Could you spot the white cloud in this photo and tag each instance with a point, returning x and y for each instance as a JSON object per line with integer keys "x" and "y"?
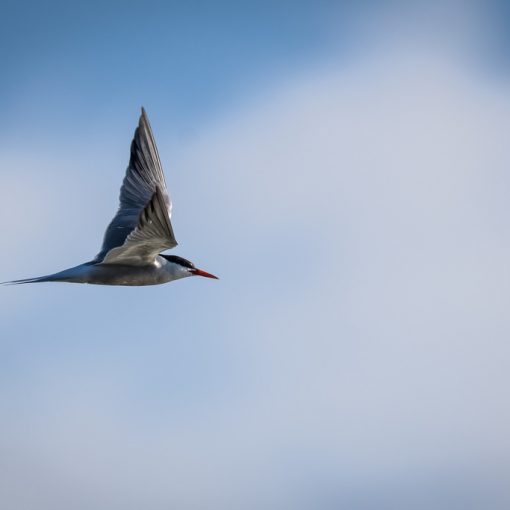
{"x": 383, "y": 324}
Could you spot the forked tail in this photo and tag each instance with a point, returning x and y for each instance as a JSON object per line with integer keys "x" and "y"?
{"x": 77, "y": 274}
{"x": 27, "y": 280}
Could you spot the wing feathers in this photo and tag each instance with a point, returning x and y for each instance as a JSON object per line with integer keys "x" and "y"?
{"x": 143, "y": 181}
{"x": 152, "y": 235}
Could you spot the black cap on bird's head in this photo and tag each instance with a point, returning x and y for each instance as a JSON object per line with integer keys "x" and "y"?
{"x": 188, "y": 265}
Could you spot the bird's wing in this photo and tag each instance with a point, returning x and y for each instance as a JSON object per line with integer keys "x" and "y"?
{"x": 152, "y": 235}
{"x": 144, "y": 176}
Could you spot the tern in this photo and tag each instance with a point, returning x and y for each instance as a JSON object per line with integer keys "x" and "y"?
{"x": 141, "y": 230}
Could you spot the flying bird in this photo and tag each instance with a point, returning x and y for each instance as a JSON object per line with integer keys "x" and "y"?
{"x": 141, "y": 230}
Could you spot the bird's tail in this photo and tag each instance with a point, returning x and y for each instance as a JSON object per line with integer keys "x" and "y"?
{"x": 73, "y": 274}
{"x": 27, "y": 280}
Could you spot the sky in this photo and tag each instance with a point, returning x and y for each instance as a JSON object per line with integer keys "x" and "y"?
{"x": 343, "y": 168}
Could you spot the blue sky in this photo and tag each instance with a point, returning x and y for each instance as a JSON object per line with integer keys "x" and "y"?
{"x": 189, "y": 60}
{"x": 343, "y": 167}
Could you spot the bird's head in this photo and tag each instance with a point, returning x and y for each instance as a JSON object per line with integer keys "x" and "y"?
{"x": 183, "y": 268}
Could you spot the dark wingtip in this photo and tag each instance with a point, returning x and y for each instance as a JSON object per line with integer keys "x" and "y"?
{"x": 144, "y": 120}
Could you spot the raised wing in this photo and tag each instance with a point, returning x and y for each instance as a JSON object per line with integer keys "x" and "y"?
{"x": 152, "y": 235}
{"x": 144, "y": 177}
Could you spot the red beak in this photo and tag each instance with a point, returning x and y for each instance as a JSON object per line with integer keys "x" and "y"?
{"x": 199, "y": 272}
